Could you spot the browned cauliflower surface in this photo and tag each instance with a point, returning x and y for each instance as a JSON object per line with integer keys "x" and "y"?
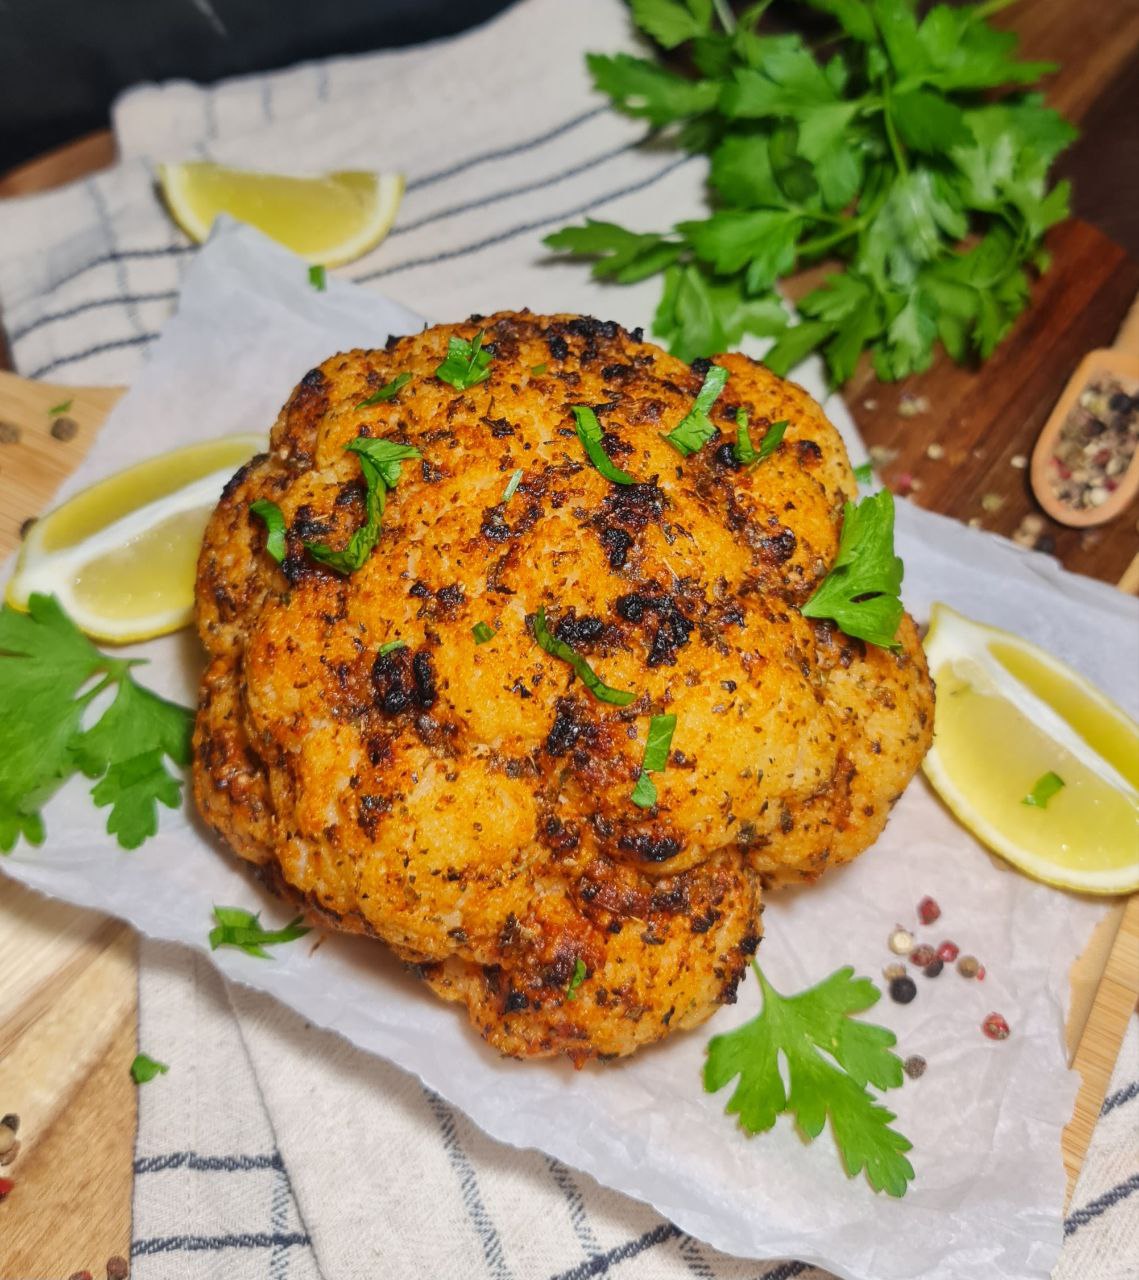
{"x": 470, "y": 804}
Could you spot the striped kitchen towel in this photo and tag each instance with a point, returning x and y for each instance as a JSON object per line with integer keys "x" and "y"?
{"x": 273, "y": 1149}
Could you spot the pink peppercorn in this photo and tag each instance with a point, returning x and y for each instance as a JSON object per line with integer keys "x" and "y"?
{"x": 948, "y": 952}
{"x": 995, "y": 1027}
{"x": 923, "y": 955}
{"x": 980, "y": 973}
{"x": 928, "y": 910}
{"x": 6, "y": 1185}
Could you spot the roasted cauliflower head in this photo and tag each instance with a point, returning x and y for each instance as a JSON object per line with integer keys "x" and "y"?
{"x": 469, "y": 800}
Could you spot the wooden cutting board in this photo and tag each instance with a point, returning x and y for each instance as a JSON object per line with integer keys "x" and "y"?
{"x": 68, "y": 995}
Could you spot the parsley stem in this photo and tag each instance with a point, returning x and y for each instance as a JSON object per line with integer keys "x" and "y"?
{"x": 724, "y": 13}
{"x": 891, "y": 132}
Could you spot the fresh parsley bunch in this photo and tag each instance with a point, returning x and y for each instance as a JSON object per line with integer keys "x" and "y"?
{"x": 905, "y": 147}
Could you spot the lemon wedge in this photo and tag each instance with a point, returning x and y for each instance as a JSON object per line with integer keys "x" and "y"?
{"x": 121, "y": 556}
{"x": 1008, "y": 715}
{"x": 328, "y": 220}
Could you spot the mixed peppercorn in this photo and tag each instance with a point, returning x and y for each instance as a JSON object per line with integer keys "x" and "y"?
{"x": 930, "y": 961}
{"x": 1096, "y": 444}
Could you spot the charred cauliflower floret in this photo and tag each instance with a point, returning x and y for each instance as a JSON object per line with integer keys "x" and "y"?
{"x": 470, "y": 803}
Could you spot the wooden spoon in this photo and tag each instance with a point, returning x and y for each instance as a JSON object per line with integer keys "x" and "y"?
{"x": 39, "y": 448}
{"x": 1121, "y": 363}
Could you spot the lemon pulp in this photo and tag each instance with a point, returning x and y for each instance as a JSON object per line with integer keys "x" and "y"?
{"x": 1089, "y": 824}
{"x": 329, "y": 219}
{"x": 121, "y": 556}
{"x": 95, "y": 508}
{"x": 148, "y": 575}
{"x": 1007, "y": 714}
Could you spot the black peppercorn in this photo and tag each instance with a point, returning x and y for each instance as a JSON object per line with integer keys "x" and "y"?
{"x": 903, "y": 990}
{"x": 933, "y": 969}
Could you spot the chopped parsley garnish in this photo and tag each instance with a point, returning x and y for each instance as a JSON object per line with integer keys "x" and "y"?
{"x": 482, "y": 632}
{"x": 1044, "y": 788}
{"x": 864, "y": 473}
{"x": 242, "y": 929}
{"x": 380, "y": 464}
{"x": 695, "y": 429}
{"x": 390, "y": 646}
{"x": 589, "y": 433}
{"x": 387, "y": 391}
{"x": 467, "y": 363}
{"x": 539, "y": 368}
{"x": 657, "y": 746}
{"x": 861, "y": 591}
{"x": 274, "y": 522}
{"x": 585, "y": 672}
{"x": 50, "y": 674}
{"x": 745, "y": 452}
{"x": 144, "y": 1068}
{"x": 512, "y": 485}
{"x": 576, "y": 978}
{"x": 786, "y": 1038}
{"x": 318, "y": 278}
{"x": 62, "y": 407}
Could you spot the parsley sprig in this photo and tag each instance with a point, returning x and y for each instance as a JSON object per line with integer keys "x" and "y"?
{"x": 380, "y": 464}
{"x": 387, "y": 392}
{"x": 274, "y": 521}
{"x": 830, "y": 1058}
{"x": 695, "y": 429}
{"x": 861, "y": 592}
{"x": 242, "y": 929}
{"x": 590, "y": 434}
{"x": 467, "y": 363}
{"x": 50, "y": 675}
{"x": 145, "y": 1068}
{"x": 585, "y": 673}
{"x": 661, "y": 729}
{"x": 745, "y": 453}
{"x": 884, "y": 147}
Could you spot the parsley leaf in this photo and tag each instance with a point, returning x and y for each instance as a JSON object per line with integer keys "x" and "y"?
{"x": 1043, "y": 789}
{"x": 482, "y": 632}
{"x": 390, "y": 646}
{"x": 589, "y": 433}
{"x": 242, "y": 929}
{"x": 800, "y": 1030}
{"x": 619, "y": 255}
{"x": 661, "y": 729}
{"x": 144, "y": 1068}
{"x": 864, "y": 473}
{"x": 861, "y": 592}
{"x": 467, "y": 363}
{"x": 899, "y": 147}
{"x": 387, "y": 392}
{"x": 318, "y": 277}
{"x": 50, "y": 675}
{"x": 538, "y": 369}
{"x": 585, "y": 672}
{"x": 62, "y": 407}
{"x": 695, "y": 429}
{"x": 576, "y": 978}
{"x": 745, "y": 452}
{"x": 274, "y": 522}
{"x": 380, "y": 464}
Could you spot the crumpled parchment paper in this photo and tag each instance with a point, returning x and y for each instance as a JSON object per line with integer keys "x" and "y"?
{"x": 986, "y": 1117}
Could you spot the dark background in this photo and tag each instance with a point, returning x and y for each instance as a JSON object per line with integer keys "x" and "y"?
{"x": 62, "y": 62}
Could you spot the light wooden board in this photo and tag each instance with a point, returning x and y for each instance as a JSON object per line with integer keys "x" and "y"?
{"x": 68, "y": 996}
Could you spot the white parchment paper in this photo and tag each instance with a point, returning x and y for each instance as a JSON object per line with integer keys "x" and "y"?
{"x": 986, "y": 1117}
